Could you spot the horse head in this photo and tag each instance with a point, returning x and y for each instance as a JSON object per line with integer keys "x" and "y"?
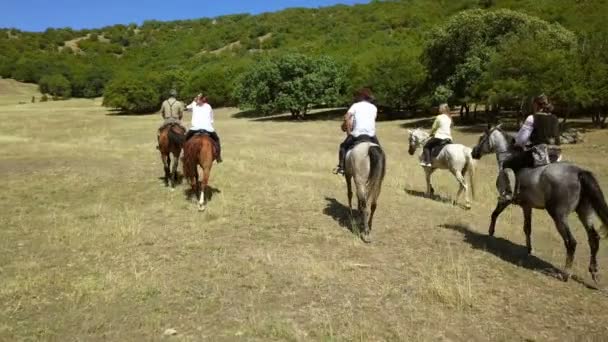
{"x": 417, "y": 137}
{"x": 491, "y": 141}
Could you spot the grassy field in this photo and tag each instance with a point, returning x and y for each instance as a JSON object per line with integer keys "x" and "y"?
{"x": 93, "y": 247}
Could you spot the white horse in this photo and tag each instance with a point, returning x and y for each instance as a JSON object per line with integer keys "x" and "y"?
{"x": 453, "y": 157}
{"x": 366, "y": 163}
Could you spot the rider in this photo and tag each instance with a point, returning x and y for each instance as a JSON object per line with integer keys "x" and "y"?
{"x": 539, "y": 130}
{"x": 440, "y": 134}
{"x": 172, "y": 112}
{"x": 359, "y": 125}
{"x": 202, "y": 121}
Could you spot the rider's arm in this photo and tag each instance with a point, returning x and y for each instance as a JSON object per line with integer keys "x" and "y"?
{"x": 190, "y": 105}
{"x": 348, "y": 122}
{"x": 523, "y": 136}
{"x": 436, "y": 125}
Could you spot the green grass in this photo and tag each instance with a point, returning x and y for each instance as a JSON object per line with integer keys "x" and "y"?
{"x": 94, "y": 247}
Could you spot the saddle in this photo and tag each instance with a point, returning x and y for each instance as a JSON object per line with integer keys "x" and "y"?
{"x": 169, "y": 123}
{"x": 437, "y": 149}
{"x": 545, "y": 154}
{"x": 203, "y": 133}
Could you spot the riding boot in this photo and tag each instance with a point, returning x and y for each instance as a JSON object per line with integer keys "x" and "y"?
{"x": 158, "y": 141}
{"x": 505, "y": 184}
{"x": 426, "y": 157}
{"x": 339, "y": 170}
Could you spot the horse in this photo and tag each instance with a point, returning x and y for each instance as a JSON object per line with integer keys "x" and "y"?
{"x": 199, "y": 150}
{"x": 453, "y": 157}
{"x": 559, "y": 188}
{"x": 366, "y": 163}
{"x": 170, "y": 141}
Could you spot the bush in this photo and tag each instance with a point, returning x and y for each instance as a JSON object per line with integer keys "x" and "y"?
{"x": 56, "y": 85}
{"x": 132, "y": 95}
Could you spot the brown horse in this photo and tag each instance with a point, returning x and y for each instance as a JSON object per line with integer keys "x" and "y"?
{"x": 170, "y": 141}
{"x": 199, "y": 150}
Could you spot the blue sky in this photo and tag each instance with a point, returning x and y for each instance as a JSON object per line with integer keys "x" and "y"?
{"x": 38, "y": 15}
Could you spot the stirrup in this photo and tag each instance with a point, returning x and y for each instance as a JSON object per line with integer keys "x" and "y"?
{"x": 338, "y": 171}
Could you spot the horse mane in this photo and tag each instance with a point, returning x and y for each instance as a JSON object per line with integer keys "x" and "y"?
{"x": 510, "y": 138}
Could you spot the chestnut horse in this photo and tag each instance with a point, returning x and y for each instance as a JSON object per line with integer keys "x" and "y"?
{"x": 170, "y": 141}
{"x": 199, "y": 150}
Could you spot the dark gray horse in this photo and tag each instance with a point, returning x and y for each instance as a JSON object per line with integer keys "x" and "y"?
{"x": 366, "y": 163}
{"x": 559, "y": 188}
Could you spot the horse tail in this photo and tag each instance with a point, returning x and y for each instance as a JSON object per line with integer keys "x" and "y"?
{"x": 471, "y": 166}
{"x": 377, "y": 169}
{"x": 191, "y": 155}
{"x": 176, "y": 138}
{"x": 590, "y": 189}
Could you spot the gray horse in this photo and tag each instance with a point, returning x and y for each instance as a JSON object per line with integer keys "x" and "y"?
{"x": 366, "y": 163}
{"x": 559, "y": 188}
{"x": 453, "y": 157}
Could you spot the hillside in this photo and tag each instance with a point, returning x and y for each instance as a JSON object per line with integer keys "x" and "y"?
{"x": 13, "y": 92}
{"x": 357, "y": 36}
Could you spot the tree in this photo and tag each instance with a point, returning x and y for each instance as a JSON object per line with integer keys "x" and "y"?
{"x": 293, "y": 83}
{"x": 56, "y": 85}
{"x": 457, "y": 54}
{"x": 397, "y": 80}
{"x": 132, "y": 94}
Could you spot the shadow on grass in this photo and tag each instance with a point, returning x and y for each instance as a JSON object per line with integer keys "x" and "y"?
{"x": 178, "y": 181}
{"x": 341, "y": 214}
{"x": 512, "y": 253}
{"x": 434, "y": 197}
{"x": 209, "y": 192}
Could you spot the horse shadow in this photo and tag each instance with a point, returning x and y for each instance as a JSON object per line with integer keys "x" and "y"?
{"x": 512, "y": 253}
{"x": 341, "y": 214}
{"x": 434, "y": 197}
{"x": 178, "y": 181}
{"x": 209, "y": 192}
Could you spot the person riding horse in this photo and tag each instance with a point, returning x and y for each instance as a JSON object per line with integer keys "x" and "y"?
{"x": 359, "y": 125}
{"x": 440, "y": 134}
{"x": 172, "y": 112}
{"x": 539, "y": 131}
{"x": 202, "y": 122}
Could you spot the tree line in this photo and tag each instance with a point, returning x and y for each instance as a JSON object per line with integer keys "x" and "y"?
{"x": 412, "y": 53}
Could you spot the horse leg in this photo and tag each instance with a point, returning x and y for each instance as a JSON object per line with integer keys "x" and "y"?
{"x": 560, "y": 218}
{"x": 371, "y": 214}
{"x": 528, "y": 227}
{"x": 174, "y": 169}
{"x": 585, "y": 214}
{"x": 202, "y": 203}
{"x": 429, "y": 187}
{"x": 365, "y": 218}
{"x": 461, "y": 188}
{"x": 500, "y": 207}
{"x": 349, "y": 192}
{"x": 166, "y": 162}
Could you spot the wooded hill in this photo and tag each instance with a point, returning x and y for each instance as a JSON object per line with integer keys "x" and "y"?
{"x": 395, "y": 47}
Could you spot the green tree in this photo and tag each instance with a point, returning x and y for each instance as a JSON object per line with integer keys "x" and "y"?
{"x": 132, "y": 94}
{"x": 457, "y": 53}
{"x": 292, "y": 83}
{"x": 56, "y": 85}
{"x": 397, "y": 80}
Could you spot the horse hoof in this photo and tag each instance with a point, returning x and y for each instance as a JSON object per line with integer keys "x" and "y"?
{"x": 365, "y": 238}
{"x": 565, "y": 277}
{"x": 595, "y": 277}
{"x": 201, "y": 208}
{"x": 467, "y": 206}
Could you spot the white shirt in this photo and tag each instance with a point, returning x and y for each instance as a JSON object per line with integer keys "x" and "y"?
{"x": 523, "y": 136}
{"x": 441, "y": 127}
{"x": 364, "y": 118}
{"x": 202, "y": 117}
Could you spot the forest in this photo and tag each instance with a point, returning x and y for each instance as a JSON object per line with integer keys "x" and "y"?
{"x": 491, "y": 54}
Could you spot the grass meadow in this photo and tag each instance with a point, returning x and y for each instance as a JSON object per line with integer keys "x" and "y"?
{"x": 94, "y": 247}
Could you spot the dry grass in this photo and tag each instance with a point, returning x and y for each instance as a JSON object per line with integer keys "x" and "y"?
{"x": 95, "y": 248}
